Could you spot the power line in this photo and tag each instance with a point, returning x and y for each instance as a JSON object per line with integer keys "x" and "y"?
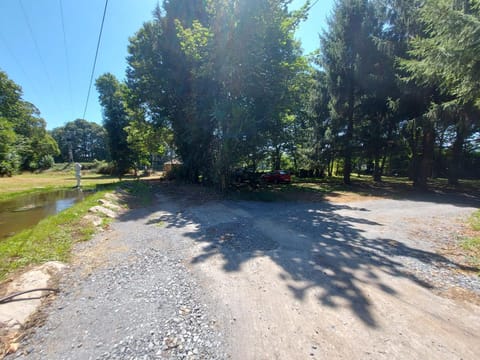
{"x": 95, "y": 60}
{"x": 37, "y": 48}
{"x": 312, "y": 5}
{"x": 17, "y": 61}
{"x": 66, "y": 56}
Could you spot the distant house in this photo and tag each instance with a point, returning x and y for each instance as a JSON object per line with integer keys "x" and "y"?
{"x": 169, "y": 165}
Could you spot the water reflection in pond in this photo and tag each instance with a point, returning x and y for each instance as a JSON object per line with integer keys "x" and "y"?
{"x": 26, "y": 211}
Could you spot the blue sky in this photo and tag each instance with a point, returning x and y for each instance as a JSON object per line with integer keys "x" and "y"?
{"x": 55, "y": 77}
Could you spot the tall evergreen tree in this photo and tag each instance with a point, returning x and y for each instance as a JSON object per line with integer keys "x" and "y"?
{"x": 446, "y": 57}
{"x": 347, "y": 48}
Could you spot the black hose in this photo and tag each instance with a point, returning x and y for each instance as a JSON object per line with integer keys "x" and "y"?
{"x": 11, "y": 297}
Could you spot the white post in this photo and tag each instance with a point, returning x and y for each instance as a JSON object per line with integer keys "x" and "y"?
{"x": 78, "y": 173}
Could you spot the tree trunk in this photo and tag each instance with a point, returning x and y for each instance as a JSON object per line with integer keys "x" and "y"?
{"x": 438, "y": 166}
{"x": 457, "y": 154}
{"x": 276, "y": 158}
{"x": 377, "y": 169}
{"x": 424, "y": 169}
{"x": 347, "y": 166}
{"x": 331, "y": 161}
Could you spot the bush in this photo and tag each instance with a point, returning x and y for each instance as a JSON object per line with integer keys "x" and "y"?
{"x": 105, "y": 168}
{"x": 6, "y": 169}
{"x": 45, "y": 162}
{"x": 177, "y": 172}
{"x": 90, "y": 165}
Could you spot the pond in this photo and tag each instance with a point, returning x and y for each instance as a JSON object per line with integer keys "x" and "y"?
{"x": 26, "y": 211}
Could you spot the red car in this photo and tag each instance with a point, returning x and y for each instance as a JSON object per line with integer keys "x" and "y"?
{"x": 277, "y": 176}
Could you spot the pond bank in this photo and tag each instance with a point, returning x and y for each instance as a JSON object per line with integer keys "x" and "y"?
{"x": 23, "y": 212}
{"x": 15, "y": 316}
{"x": 50, "y": 239}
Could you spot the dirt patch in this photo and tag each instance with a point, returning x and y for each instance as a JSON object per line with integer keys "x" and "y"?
{"x": 91, "y": 256}
{"x": 347, "y": 197}
{"x": 460, "y": 294}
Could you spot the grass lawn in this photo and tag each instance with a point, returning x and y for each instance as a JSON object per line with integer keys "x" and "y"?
{"x": 49, "y": 180}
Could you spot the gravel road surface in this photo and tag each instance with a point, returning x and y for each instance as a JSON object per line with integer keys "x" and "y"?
{"x": 214, "y": 279}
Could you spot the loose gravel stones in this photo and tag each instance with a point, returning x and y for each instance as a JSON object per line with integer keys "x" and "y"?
{"x": 239, "y": 236}
{"x": 146, "y": 308}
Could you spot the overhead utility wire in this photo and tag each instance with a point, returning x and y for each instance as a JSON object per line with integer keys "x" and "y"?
{"x": 20, "y": 66}
{"x": 37, "y": 48}
{"x": 311, "y": 6}
{"x": 66, "y": 56}
{"x": 95, "y": 60}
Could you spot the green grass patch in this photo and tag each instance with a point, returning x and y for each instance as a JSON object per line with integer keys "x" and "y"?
{"x": 47, "y": 189}
{"x": 300, "y": 189}
{"x": 472, "y": 243}
{"x": 475, "y": 221}
{"x": 140, "y": 190}
{"x": 51, "y": 239}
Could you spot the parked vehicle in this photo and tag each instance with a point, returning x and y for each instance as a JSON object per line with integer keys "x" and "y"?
{"x": 245, "y": 176}
{"x": 277, "y": 176}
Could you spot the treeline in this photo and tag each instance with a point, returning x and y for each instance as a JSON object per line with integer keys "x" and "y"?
{"x": 24, "y": 141}
{"x": 81, "y": 141}
{"x": 400, "y": 88}
{"x": 25, "y": 144}
{"x": 393, "y": 89}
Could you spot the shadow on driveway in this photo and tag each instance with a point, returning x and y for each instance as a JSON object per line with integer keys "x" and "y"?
{"x": 315, "y": 246}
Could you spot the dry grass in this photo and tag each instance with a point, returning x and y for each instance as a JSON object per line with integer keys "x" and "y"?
{"x": 30, "y": 182}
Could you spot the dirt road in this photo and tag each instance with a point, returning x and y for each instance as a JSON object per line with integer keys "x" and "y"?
{"x": 337, "y": 280}
{"x": 370, "y": 279}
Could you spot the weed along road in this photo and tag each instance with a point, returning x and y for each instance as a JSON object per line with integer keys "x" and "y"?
{"x": 204, "y": 278}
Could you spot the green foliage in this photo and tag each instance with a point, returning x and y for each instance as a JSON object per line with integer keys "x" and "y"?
{"x": 105, "y": 168}
{"x": 223, "y": 77}
{"x": 24, "y": 141}
{"x": 223, "y": 85}
{"x": 9, "y": 161}
{"x": 447, "y": 56}
{"x": 81, "y": 141}
{"x": 351, "y": 60}
{"x": 112, "y": 96}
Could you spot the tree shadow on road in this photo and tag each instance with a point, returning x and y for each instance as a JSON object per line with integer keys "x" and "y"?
{"x": 318, "y": 246}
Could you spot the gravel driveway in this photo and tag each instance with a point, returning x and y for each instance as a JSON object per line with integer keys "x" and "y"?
{"x": 192, "y": 279}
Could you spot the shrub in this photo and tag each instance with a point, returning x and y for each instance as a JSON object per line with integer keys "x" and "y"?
{"x": 105, "y": 168}
{"x": 45, "y": 162}
{"x": 6, "y": 168}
